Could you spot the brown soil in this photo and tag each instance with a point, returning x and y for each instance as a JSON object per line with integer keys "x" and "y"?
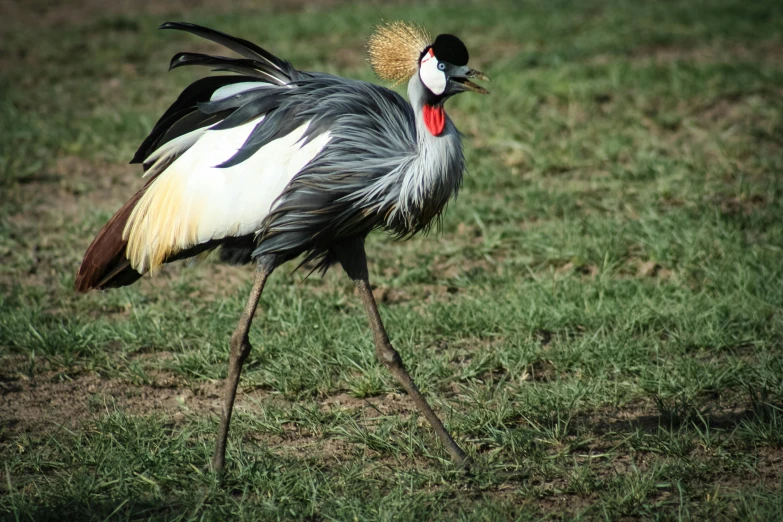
{"x": 770, "y": 52}
{"x": 49, "y": 203}
{"x": 50, "y": 401}
{"x": 390, "y": 404}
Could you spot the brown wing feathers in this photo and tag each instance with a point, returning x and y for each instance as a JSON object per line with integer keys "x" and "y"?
{"x": 104, "y": 264}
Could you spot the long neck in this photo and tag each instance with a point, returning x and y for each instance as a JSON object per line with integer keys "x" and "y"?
{"x": 430, "y": 114}
{"x": 435, "y": 172}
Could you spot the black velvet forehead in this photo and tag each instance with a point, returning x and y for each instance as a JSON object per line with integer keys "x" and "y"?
{"x": 448, "y": 48}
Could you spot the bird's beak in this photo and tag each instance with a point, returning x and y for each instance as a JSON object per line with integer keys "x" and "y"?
{"x": 465, "y": 84}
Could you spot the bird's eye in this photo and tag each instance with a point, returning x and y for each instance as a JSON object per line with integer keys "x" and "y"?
{"x": 442, "y": 66}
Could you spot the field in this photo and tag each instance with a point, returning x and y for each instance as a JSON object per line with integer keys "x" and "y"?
{"x": 599, "y": 320}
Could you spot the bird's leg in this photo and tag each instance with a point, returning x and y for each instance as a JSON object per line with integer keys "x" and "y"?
{"x": 391, "y": 359}
{"x": 357, "y": 270}
{"x": 240, "y": 349}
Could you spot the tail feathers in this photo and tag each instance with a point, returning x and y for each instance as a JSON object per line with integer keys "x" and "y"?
{"x": 264, "y": 63}
{"x": 105, "y": 264}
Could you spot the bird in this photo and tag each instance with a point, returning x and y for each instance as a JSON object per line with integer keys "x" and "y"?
{"x": 264, "y": 163}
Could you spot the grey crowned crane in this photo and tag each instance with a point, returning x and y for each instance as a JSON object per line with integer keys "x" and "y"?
{"x": 271, "y": 163}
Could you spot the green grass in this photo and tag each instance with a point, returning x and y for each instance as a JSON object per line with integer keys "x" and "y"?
{"x": 598, "y": 320}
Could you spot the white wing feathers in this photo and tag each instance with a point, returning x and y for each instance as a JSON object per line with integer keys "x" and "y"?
{"x": 168, "y": 152}
{"x": 192, "y": 202}
{"x": 235, "y": 88}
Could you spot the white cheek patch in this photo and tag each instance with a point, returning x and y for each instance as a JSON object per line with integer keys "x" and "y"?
{"x": 430, "y": 75}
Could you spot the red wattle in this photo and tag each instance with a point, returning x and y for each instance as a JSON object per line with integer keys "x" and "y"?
{"x": 434, "y": 119}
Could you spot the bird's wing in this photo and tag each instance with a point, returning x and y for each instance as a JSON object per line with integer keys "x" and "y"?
{"x": 195, "y": 200}
{"x": 193, "y": 195}
{"x": 258, "y": 70}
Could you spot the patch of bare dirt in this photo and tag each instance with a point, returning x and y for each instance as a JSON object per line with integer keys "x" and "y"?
{"x": 583, "y": 269}
{"x": 725, "y": 110}
{"x": 48, "y": 206}
{"x": 542, "y": 370}
{"x": 77, "y": 184}
{"x": 606, "y": 431}
{"x": 653, "y": 269}
{"x": 449, "y": 267}
{"x": 770, "y": 52}
{"x": 49, "y": 401}
{"x": 315, "y": 448}
{"x": 389, "y": 404}
{"x": 397, "y": 295}
{"x": 301, "y": 442}
{"x": 740, "y": 205}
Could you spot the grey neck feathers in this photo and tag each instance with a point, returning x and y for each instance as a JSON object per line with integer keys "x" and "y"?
{"x": 434, "y": 173}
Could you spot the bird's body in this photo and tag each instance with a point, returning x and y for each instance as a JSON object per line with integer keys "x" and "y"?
{"x": 283, "y": 162}
{"x": 271, "y": 163}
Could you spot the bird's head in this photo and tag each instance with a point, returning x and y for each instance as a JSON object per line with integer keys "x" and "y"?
{"x": 399, "y": 50}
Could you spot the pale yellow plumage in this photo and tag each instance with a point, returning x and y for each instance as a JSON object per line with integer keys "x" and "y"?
{"x": 193, "y": 201}
{"x": 154, "y": 230}
{"x": 394, "y": 50}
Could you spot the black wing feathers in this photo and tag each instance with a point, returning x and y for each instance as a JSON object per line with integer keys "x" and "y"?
{"x": 198, "y": 91}
{"x": 192, "y": 109}
{"x": 238, "y": 45}
{"x": 191, "y": 121}
{"x": 249, "y": 111}
{"x": 252, "y": 68}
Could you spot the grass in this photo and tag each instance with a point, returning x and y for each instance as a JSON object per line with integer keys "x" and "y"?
{"x": 598, "y": 320}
